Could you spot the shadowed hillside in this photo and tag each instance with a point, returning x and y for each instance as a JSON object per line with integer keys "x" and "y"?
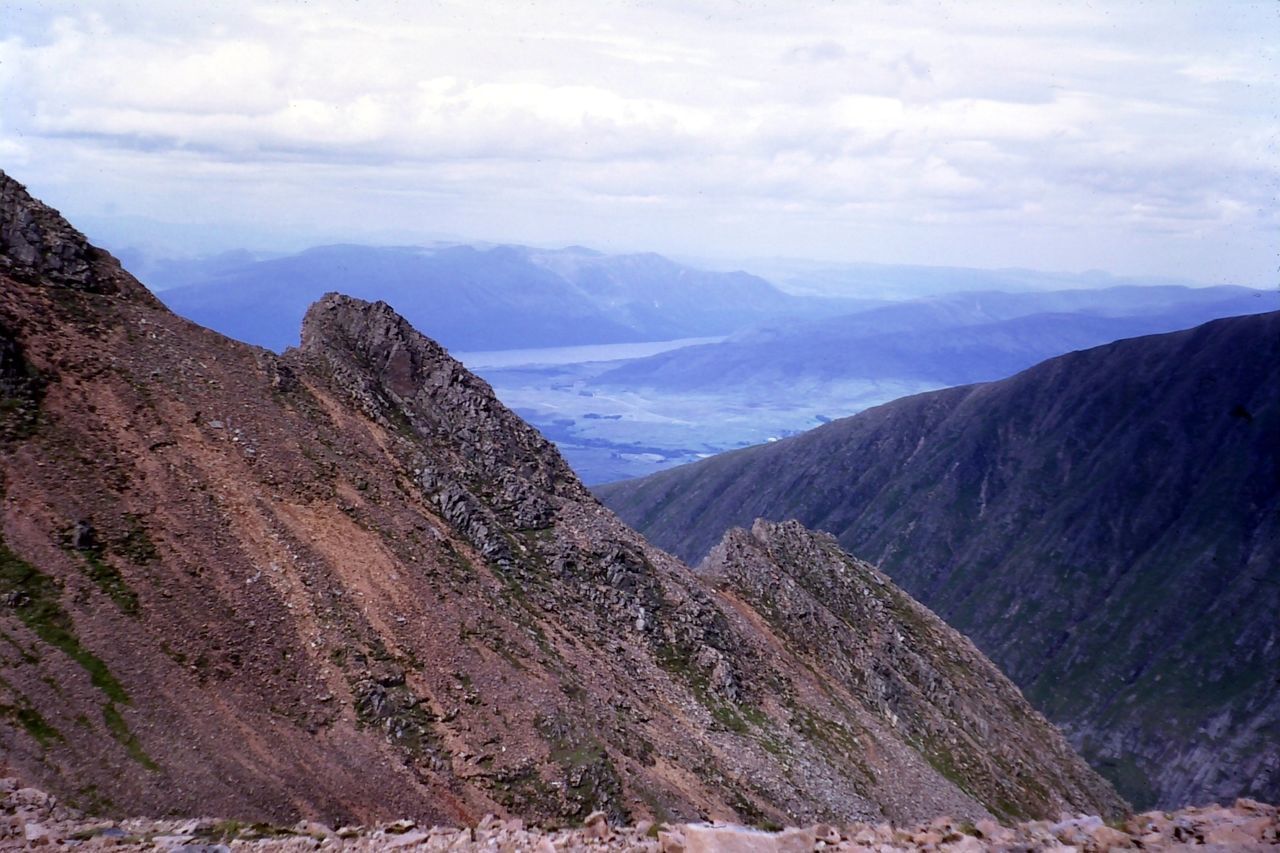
{"x": 1104, "y": 525}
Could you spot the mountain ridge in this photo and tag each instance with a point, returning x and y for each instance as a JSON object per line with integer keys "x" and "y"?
{"x": 1040, "y": 514}
{"x": 487, "y": 298}
{"x": 949, "y": 341}
{"x": 348, "y": 584}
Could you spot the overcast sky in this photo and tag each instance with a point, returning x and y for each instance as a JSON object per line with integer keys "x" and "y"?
{"x": 1139, "y": 138}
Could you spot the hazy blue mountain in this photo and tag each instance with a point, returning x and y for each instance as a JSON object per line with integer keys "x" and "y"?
{"x": 1105, "y": 525}
{"x": 161, "y": 272}
{"x": 905, "y": 281}
{"x": 484, "y": 298}
{"x": 949, "y": 340}
{"x": 636, "y": 414}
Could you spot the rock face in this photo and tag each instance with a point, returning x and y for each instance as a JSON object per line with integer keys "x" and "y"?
{"x": 348, "y": 585}
{"x": 1106, "y": 526}
{"x": 39, "y": 245}
{"x": 901, "y": 662}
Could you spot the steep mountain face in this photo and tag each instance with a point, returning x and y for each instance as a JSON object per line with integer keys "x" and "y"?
{"x": 501, "y": 297}
{"x": 1103, "y": 525}
{"x": 348, "y": 584}
{"x": 894, "y": 656}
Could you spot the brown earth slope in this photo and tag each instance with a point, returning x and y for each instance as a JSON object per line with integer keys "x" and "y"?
{"x": 348, "y": 584}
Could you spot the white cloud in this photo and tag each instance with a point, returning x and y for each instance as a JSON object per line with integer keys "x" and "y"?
{"x": 1064, "y": 118}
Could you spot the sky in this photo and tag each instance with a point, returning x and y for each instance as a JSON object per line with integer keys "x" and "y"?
{"x": 1141, "y": 138}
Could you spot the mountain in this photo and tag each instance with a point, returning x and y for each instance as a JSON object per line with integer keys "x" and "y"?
{"x": 955, "y": 339}
{"x": 1103, "y": 525}
{"x": 485, "y": 298}
{"x": 891, "y": 654}
{"x": 906, "y": 281}
{"x": 348, "y": 584}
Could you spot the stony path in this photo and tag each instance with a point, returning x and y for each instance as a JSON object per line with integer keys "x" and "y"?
{"x": 32, "y": 819}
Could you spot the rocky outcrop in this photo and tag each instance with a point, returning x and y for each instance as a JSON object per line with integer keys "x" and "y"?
{"x": 905, "y": 664}
{"x": 403, "y": 380}
{"x": 347, "y": 585}
{"x": 1104, "y": 526}
{"x": 30, "y": 817}
{"x": 37, "y": 244}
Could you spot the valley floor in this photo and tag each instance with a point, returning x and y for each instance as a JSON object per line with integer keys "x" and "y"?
{"x": 32, "y": 819}
{"x": 613, "y": 432}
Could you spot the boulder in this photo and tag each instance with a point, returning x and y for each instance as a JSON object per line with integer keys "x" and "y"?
{"x": 712, "y": 838}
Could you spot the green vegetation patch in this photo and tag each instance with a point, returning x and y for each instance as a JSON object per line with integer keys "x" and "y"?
{"x": 27, "y": 656}
{"x": 592, "y": 780}
{"x": 817, "y": 728}
{"x": 523, "y": 791}
{"x": 34, "y": 724}
{"x": 383, "y": 700}
{"x": 399, "y": 713}
{"x": 836, "y": 740}
{"x": 120, "y": 731}
{"x": 91, "y": 800}
{"x": 108, "y": 579}
{"x": 34, "y": 598}
{"x": 738, "y": 718}
{"x": 135, "y": 544}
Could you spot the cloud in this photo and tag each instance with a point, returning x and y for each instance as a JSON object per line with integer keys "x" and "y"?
{"x": 979, "y": 115}
{"x": 817, "y": 53}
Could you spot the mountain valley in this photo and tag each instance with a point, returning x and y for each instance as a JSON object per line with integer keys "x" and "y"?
{"x": 632, "y": 364}
{"x": 1103, "y": 525}
{"x": 615, "y": 417}
{"x": 348, "y": 584}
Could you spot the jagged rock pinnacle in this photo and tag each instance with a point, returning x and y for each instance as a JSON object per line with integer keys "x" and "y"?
{"x": 37, "y": 243}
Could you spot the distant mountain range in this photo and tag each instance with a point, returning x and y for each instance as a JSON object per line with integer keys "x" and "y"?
{"x": 1105, "y": 525}
{"x": 789, "y": 361}
{"x": 484, "y": 298}
{"x": 781, "y": 378}
{"x": 954, "y": 339}
{"x": 495, "y": 297}
{"x": 897, "y": 282}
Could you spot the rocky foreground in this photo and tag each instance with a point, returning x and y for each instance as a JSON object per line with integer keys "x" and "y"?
{"x": 31, "y": 818}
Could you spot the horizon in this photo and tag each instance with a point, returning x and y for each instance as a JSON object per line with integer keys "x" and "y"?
{"x": 760, "y": 266}
{"x": 1108, "y": 137}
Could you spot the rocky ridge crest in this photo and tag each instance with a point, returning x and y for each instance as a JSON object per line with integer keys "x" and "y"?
{"x": 901, "y": 661}
{"x": 1105, "y": 526}
{"x": 347, "y": 584}
{"x": 38, "y": 244}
